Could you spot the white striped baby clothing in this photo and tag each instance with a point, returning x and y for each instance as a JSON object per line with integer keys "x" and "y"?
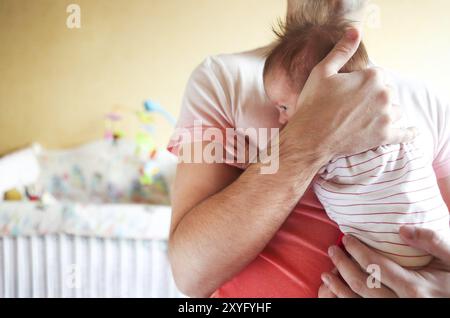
{"x": 371, "y": 195}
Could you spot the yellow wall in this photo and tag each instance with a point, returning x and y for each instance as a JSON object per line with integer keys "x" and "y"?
{"x": 56, "y": 84}
{"x": 414, "y": 39}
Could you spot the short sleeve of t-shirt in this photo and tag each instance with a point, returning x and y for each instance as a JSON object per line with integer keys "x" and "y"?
{"x": 205, "y": 105}
{"x": 441, "y": 162}
{"x": 224, "y": 99}
{"x": 427, "y": 110}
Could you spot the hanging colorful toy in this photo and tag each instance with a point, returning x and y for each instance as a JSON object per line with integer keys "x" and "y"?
{"x": 145, "y": 140}
{"x": 146, "y": 147}
{"x": 112, "y": 132}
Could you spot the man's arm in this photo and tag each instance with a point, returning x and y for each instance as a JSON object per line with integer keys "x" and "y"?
{"x": 223, "y": 219}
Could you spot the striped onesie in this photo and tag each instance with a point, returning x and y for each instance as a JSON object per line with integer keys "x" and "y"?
{"x": 371, "y": 195}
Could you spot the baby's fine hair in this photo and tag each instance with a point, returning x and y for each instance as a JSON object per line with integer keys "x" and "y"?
{"x": 307, "y": 37}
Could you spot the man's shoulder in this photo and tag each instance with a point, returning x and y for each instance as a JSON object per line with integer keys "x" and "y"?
{"x": 416, "y": 95}
{"x": 248, "y": 62}
{"x": 404, "y": 83}
{"x": 424, "y": 107}
{"x": 235, "y": 78}
{"x": 234, "y": 83}
{"x": 411, "y": 86}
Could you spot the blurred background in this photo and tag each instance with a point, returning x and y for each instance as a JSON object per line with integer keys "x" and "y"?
{"x": 56, "y": 83}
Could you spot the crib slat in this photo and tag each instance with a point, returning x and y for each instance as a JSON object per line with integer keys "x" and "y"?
{"x": 34, "y": 267}
{"x": 47, "y": 262}
{"x": 148, "y": 273}
{"x": 62, "y": 261}
{"x": 8, "y": 267}
{"x": 21, "y": 267}
{"x": 93, "y": 264}
{"x": 140, "y": 279}
{"x": 122, "y": 269}
{"x": 2, "y": 269}
{"x": 78, "y": 261}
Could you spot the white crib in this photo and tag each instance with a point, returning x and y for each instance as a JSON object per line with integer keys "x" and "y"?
{"x": 95, "y": 239}
{"x": 63, "y": 263}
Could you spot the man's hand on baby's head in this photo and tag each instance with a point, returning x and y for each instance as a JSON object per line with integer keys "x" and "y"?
{"x": 333, "y": 106}
{"x": 340, "y": 96}
{"x": 340, "y": 55}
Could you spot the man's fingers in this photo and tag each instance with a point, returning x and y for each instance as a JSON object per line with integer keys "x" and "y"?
{"x": 341, "y": 53}
{"x": 325, "y": 292}
{"x": 351, "y": 272}
{"x": 427, "y": 240}
{"x": 357, "y": 280}
{"x": 334, "y": 286}
{"x": 402, "y": 135}
{"x": 392, "y": 274}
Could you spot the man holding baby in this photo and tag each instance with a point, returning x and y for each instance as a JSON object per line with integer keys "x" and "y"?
{"x": 239, "y": 233}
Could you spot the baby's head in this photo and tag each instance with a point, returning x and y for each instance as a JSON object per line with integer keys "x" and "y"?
{"x": 303, "y": 42}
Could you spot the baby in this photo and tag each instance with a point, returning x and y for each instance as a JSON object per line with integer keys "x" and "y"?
{"x": 369, "y": 195}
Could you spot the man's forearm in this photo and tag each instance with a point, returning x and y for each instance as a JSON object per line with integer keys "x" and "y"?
{"x": 219, "y": 237}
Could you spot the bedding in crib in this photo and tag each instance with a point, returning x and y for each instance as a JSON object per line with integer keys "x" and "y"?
{"x": 96, "y": 190}
{"x": 103, "y": 172}
{"x": 120, "y": 221}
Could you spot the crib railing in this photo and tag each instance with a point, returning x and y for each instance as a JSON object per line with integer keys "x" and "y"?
{"x": 62, "y": 265}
